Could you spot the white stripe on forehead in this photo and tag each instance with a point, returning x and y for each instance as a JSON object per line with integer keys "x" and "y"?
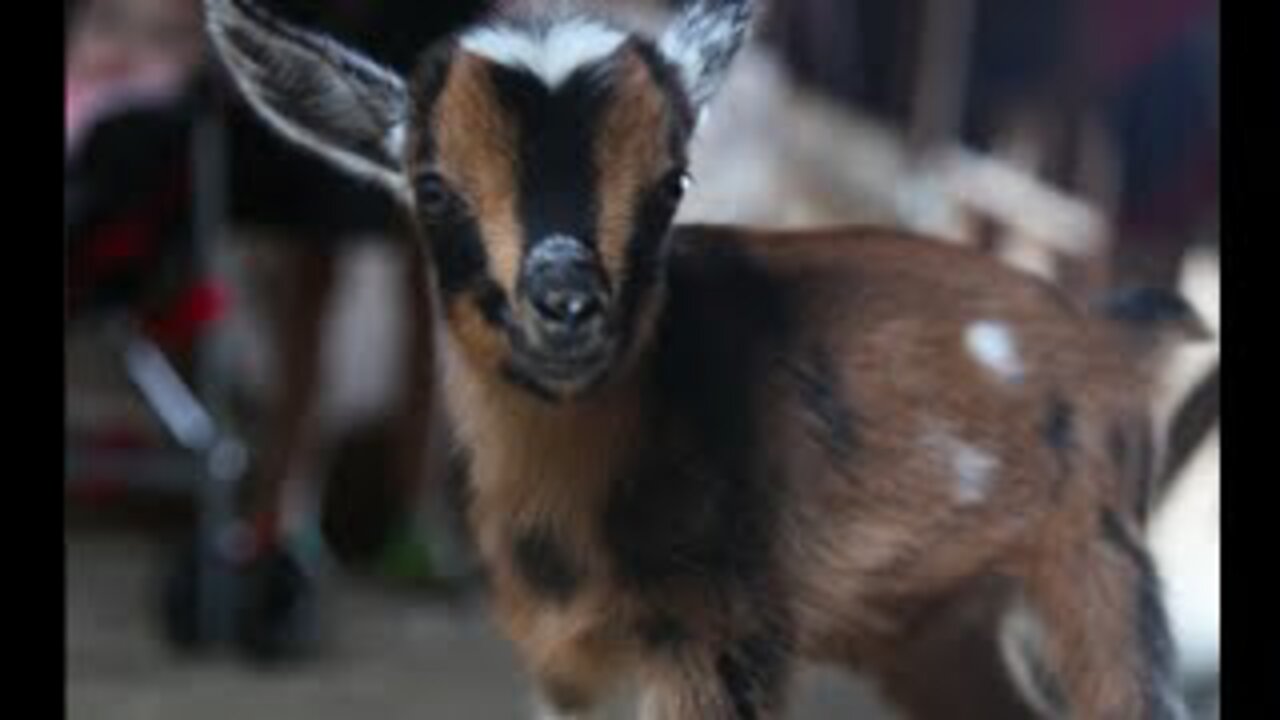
{"x": 552, "y": 54}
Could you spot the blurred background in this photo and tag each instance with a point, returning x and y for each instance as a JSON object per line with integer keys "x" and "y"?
{"x": 259, "y": 500}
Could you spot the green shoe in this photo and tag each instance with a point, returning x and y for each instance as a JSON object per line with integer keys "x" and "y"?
{"x": 412, "y": 557}
{"x": 406, "y": 557}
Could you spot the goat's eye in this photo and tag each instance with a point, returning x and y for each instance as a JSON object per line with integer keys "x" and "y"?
{"x": 674, "y": 185}
{"x": 435, "y": 199}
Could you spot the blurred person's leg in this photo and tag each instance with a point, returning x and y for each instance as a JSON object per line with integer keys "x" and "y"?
{"x": 314, "y": 213}
{"x": 408, "y": 552}
{"x": 287, "y": 469}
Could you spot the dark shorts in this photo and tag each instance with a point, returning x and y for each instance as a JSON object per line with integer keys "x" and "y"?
{"x": 281, "y": 186}
{"x": 275, "y": 183}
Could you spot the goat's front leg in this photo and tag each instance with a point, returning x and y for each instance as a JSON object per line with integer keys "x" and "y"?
{"x": 581, "y": 698}
{"x": 1091, "y": 637}
{"x": 742, "y": 679}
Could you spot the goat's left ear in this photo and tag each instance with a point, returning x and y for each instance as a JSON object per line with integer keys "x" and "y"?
{"x": 319, "y": 94}
{"x": 702, "y": 43}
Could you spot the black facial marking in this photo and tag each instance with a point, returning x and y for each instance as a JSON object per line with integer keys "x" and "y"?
{"x": 451, "y": 231}
{"x": 831, "y": 423}
{"x": 556, "y": 127}
{"x": 701, "y": 505}
{"x": 429, "y": 77}
{"x": 492, "y": 301}
{"x": 459, "y": 256}
{"x": 1059, "y": 432}
{"x": 752, "y": 672}
{"x": 1152, "y": 620}
{"x": 545, "y": 565}
{"x": 644, "y": 262}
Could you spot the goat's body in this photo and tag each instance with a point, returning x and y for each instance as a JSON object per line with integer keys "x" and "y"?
{"x": 697, "y": 456}
{"x": 814, "y": 449}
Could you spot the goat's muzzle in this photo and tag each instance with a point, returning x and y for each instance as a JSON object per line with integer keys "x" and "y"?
{"x": 564, "y": 309}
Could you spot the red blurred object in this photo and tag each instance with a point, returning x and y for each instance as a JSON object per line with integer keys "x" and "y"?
{"x": 101, "y": 488}
{"x": 191, "y": 314}
{"x": 120, "y": 244}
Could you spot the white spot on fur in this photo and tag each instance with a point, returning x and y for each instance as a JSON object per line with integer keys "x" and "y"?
{"x": 553, "y": 54}
{"x": 973, "y": 468}
{"x": 992, "y": 343}
{"x": 974, "y": 471}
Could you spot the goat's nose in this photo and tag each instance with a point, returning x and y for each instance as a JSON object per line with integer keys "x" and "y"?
{"x": 562, "y": 283}
{"x": 570, "y": 308}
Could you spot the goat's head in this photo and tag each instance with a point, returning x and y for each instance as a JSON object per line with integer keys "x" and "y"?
{"x": 543, "y": 158}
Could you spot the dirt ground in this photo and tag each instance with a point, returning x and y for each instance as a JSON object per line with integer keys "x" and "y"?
{"x": 390, "y": 656}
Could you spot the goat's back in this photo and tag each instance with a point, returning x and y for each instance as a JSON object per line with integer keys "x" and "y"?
{"x": 929, "y": 411}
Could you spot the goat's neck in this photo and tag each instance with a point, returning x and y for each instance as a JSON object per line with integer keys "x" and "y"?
{"x": 534, "y": 457}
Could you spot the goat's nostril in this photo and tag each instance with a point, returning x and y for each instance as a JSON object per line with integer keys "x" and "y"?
{"x": 567, "y": 307}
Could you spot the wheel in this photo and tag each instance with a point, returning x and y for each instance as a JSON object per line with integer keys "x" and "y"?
{"x": 187, "y": 625}
{"x": 278, "y": 618}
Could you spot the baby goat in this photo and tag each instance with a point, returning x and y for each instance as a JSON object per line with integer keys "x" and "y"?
{"x": 698, "y": 454}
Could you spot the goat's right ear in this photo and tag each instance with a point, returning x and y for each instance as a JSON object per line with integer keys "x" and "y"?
{"x": 702, "y": 43}
{"x": 324, "y": 96}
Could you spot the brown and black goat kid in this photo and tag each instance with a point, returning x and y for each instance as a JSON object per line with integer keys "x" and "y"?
{"x": 700, "y": 455}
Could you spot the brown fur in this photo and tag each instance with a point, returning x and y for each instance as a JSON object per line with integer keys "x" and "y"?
{"x": 794, "y": 455}
{"x": 631, "y": 154}
{"x": 476, "y": 146}
{"x": 864, "y": 543}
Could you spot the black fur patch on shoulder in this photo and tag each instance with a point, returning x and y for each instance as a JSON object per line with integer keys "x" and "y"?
{"x": 701, "y": 504}
{"x": 545, "y": 565}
